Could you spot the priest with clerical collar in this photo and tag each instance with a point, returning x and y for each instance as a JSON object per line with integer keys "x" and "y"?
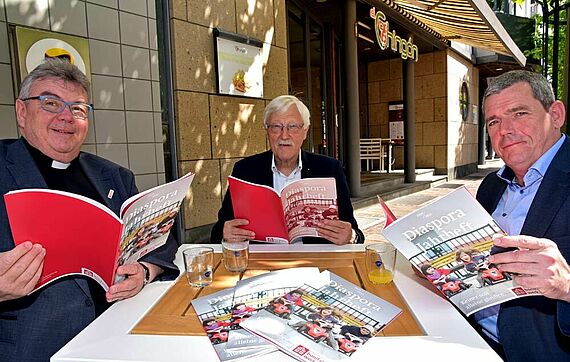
{"x": 53, "y": 111}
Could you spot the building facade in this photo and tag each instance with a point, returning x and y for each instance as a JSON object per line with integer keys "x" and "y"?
{"x": 158, "y": 109}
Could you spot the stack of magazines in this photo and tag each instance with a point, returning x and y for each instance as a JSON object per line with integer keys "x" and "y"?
{"x": 307, "y": 314}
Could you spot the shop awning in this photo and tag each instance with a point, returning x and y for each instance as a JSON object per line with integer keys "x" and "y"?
{"x": 470, "y": 22}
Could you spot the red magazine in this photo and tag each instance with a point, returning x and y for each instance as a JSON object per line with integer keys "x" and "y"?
{"x": 283, "y": 218}
{"x": 82, "y": 236}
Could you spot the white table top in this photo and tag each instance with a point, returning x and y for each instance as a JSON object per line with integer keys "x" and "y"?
{"x": 447, "y": 332}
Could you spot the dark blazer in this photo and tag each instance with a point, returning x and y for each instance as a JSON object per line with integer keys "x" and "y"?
{"x": 34, "y": 327}
{"x": 538, "y": 328}
{"x": 257, "y": 169}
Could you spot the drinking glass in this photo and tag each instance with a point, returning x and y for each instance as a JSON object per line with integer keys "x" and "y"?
{"x": 380, "y": 262}
{"x": 199, "y": 263}
{"x": 236, "y": 255}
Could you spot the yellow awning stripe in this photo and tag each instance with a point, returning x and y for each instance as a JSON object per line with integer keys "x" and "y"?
{"x": 470, "y": 22}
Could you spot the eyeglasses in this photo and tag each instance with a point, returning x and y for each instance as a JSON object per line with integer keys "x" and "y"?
{"x": 278, "y": 128}
{"x": 55, "y": 105}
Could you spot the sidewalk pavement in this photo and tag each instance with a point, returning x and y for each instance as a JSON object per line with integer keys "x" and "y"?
{"x": 371, "y": 218}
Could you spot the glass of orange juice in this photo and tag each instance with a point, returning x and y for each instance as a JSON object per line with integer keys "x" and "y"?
{"x": 380, "y": 262}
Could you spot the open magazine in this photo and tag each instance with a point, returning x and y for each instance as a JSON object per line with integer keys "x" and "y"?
{"x": 282, "y": 218}
{"x": 222, "y": 312}
{"x": 449, "y": 241}
{"x": 325, "y": 319}
{"x": 82, "y": 236}
{"x": 261, "y": 291}
{"x": 219, "y": 321}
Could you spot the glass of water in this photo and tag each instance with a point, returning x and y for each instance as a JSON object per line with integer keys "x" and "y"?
{"x": 236, "y": 255}
{"x": 199, "y": 263}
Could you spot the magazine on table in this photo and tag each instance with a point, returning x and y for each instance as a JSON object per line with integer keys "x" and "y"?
{"x": 261, "y": 291}
{"x": 449, "y": 241}
{"x": 82, "y": 236}
{"x": 215, "y": 314}
{"x": 292, "y": 214}
{"x": 330, "y": 320}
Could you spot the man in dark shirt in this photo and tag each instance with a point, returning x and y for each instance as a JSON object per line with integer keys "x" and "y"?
{"x": 362, "y": 333}
{"x": 53, "y": 111}
{"x": 287, "y": 120}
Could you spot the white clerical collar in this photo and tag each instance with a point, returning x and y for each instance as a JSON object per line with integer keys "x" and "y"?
{"x": 59, "y": 165}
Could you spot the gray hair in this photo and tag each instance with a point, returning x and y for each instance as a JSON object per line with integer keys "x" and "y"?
{"x": 282, "y": 103}
{"x": 54, "y": 68}
{"x": 540, "y": 86}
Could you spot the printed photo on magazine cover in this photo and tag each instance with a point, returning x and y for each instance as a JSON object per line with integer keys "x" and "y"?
{"x": 255, "y": 293}
{"x": 325, "y": 321}
{"x": 215, "y": 314}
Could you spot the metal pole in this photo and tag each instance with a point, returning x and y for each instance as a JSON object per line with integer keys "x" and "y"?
{"x": 545, "y": 15}
{"x": 409, "y": 123}
{"x": 352, "y": 114}
{"x": 566, "y": 73}
{"x": 167, "y": 98}
{"x": 482, "y": 134}
{"x": 308, "y": 79}
{"x": 555, "y": 37}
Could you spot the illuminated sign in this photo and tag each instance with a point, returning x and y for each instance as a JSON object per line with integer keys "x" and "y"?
{"x": 387, "y": 39}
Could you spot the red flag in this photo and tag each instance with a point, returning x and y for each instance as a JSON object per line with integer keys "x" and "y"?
{"x": 390, "y": 217}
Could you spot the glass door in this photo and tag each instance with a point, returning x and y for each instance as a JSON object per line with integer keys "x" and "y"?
{"x": 315, "y": 76}
{"x": 318, "y": 89}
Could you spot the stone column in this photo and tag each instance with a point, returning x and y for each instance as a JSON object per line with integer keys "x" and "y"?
{"x": 409, "y": 122}
{"x": 352, "y": 112}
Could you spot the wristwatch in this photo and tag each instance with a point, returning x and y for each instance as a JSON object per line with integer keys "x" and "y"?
{"x": 146, "y": 279}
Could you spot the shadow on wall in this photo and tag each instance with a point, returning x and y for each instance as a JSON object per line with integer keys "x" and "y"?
{"x": 235, "y": 129}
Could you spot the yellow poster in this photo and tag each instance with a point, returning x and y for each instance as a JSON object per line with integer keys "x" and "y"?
{"x": 35, "y": 45}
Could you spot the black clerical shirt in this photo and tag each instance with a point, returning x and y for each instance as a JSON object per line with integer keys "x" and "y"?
{"x": 71, "y": 179}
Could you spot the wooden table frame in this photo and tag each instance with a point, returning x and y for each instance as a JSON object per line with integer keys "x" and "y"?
{"x": 174, "y": 315}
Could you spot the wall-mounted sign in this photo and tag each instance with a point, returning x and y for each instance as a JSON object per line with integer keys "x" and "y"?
{"x": 464, "y": 101}
{"x": 387, "y": 39}
{"x": 35, "y": 45}
{"x": 239, "y": 64}
{"x": 396, "y": 121}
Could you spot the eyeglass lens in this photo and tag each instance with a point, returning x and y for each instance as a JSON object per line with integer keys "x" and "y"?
{"x": 56, "y": 105}
{"x": 278, "y": 128}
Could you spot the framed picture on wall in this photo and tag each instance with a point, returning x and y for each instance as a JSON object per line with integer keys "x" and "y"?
{"x": 239, "y": 64}
{"x": 33, "y": 46}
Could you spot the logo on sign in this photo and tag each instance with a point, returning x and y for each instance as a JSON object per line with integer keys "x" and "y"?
{"x": 388, "y": 39}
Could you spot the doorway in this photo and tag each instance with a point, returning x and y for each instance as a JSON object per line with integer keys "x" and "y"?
{"x": 315, "y": 77}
